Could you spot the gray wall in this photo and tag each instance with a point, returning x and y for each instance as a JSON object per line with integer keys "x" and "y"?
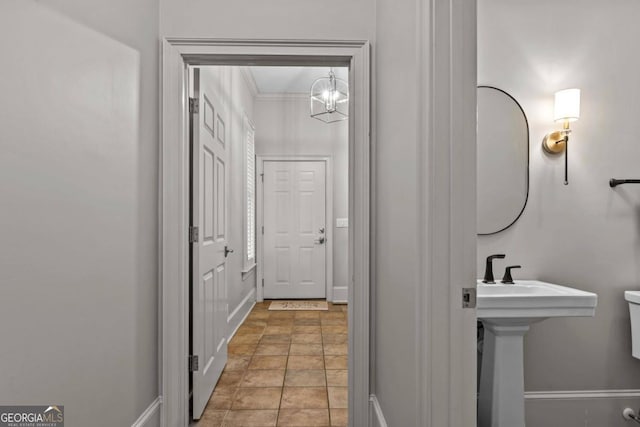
{"x": 79, "y": 113}
{"x": 78, "y": 223}
{"x": 584, "y": 235}
{"x": 239, "y": 285}
{"x": 283, "y": 126}
{"x": 391, "y": 27}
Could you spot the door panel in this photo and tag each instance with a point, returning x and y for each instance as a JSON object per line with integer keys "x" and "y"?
{"x": 208, "y": 213}
{"x": 294, "y": 217}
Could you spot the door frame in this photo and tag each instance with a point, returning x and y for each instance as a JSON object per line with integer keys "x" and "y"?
{"x": 260, "y": 159}
{"x": 177, "y": 55}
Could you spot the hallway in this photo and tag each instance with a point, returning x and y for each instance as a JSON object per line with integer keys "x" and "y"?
{"x": 285, "y": 368}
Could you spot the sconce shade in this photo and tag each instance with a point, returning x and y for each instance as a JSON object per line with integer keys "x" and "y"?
{"x": 567, "y": 105}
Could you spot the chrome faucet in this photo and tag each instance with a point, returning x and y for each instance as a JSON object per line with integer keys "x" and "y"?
{"x": 488, "y": 271}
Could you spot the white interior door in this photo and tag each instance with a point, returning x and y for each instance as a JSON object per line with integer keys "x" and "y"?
{"x": 209, "y": 214}
{"x": 294, "y": 243}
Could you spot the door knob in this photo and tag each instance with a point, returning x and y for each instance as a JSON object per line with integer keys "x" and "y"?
{"x": 227, "y": 251}
{"x": 320, "y": 240}
{"x": 321, "y": 231}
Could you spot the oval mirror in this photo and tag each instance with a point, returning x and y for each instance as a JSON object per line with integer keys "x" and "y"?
{"x": 503, "y": 160}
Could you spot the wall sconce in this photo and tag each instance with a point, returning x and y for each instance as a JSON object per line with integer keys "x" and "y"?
{"x": 566, "y": 110}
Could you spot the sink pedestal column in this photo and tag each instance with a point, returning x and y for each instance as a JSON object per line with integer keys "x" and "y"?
{"x": 501, "y": 401}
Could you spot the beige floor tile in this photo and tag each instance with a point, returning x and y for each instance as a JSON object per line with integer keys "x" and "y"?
{"x": 338, "y": 397}
{"x": 305, "y": 378}
{"x": 280, "y": 322}
{"x": 212, "y": 418}
{"x": 264, "y": 305}
{"x": 307, "y": 315}
{"x": 339, "y": 417}
{"x": 337, "y": 378}
{"x": 306, "y": 322}
{"x": 241, "y": 349}
{"x": 334, "y": 322}
{"x": 335, "y": 362}
{"x": 255, "y": 383}
{"x": 335, "y": 338}
{"x": 255, "y": 322}
{"x": 335, "y": 349}
{"x": 278, "y": 330}
{"x": 304, "y": 398}
{"x": 303, "y": 418}
{"x": 237, "y": 362}
{"x": 245, "y": 339}
{"x": 302, "y": 329}
{"x": 230, "y": 378}
{"x": 306, "y": 338}
{"x": 222, "y": 398}
{"x": 276, "y": 339}
{"x": 298, "y": 349}
{"x": 257, "y": 398}
{"x": 306, "y": 362}
{"x": 282, "y": 314}
{"x": 268, "y": 362}
{"x": 335, "y": 307}
{"x": 245, "y": 329}
{"x": 334, "y": 329}
{"x": 263, "y": 378}
{"x": 251, "y": 418}
{"x": 258, "y": 315}
{"x": 272, "y": 350}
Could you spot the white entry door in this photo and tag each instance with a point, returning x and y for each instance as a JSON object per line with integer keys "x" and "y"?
{"x": 209, "y": 215}
{"x": 294, "y": 243}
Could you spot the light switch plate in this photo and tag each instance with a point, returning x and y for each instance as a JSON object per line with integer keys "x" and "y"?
{"x": 342, "y": 222}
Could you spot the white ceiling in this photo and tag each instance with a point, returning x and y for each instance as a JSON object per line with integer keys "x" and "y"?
{"x": 291, "y": 79}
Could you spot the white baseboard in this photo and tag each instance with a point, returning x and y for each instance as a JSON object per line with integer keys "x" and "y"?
{"x": 579, "y": 407}
{"x": 376, "y": 418}
{"x": 240, "y": 313}
{"x": 151, "y": 416}
{"x": 340, "y": 294}
{"x": 581, "y": 394}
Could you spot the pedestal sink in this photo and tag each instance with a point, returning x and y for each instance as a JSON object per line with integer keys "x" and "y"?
{"x": 506, "y": 312}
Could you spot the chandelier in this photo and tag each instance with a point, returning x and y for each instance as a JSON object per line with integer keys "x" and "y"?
{"x": 329, "y": 99}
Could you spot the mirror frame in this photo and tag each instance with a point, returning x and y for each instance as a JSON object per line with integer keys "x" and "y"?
{"x": 526, "y": 198}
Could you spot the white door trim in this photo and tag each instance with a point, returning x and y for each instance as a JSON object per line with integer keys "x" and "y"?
{"x": 447, "y": 192}
{"x": 260, "y": 159}
{"x": 173, "y": 309}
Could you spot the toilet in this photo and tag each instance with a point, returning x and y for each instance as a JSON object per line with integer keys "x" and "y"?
{"x": 633, "y": 297}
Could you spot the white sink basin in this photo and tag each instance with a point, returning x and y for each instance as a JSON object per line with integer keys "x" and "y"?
{"x": 507, "y": 311}
{"x": 530, "y": 301}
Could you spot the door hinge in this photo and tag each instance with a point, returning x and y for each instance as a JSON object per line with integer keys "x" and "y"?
{"x": 263, "y": 229}
{"x": 262, "y": 177}
{"x": 194, "y": 107}
{"x": 193, "y": 234}
{"x": 193, "y": 363}
{"x": 263, "y": 283}
{"x": 468, "y": 297}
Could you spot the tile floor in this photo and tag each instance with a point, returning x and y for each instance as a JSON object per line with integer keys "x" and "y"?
{"x": 285, "y": 368}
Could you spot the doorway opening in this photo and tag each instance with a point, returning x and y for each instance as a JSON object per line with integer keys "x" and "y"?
{"x": 202, "y": 330}
{"x": 264, "y": 192}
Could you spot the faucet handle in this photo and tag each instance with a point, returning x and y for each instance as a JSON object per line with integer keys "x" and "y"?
{"x": 507, "y": 279}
